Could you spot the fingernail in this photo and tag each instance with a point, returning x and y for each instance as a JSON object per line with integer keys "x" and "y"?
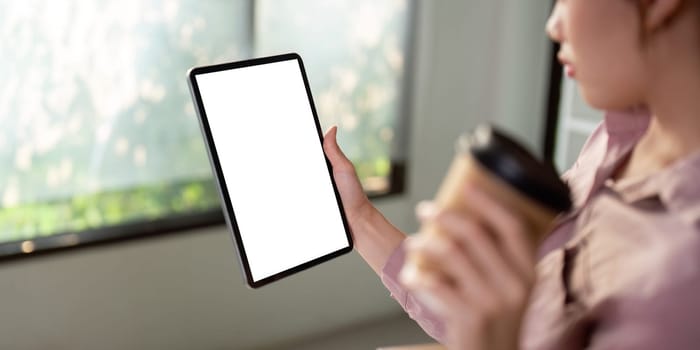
{"x": 425, "y": 210}
{"x": 408, "y": 274}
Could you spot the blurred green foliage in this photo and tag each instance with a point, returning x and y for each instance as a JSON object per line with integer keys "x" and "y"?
{"x": 143, "y": 203}
{"x": 106, "y": 209}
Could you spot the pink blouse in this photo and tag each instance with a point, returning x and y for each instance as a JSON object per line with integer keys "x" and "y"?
{"x": 622, "y": 269}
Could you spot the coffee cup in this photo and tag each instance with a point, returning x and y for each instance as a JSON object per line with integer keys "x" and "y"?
{"x": 493, "y": 162}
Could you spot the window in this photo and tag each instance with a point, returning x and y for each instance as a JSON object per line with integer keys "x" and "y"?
{"x": 100, "y": 138}
{"x": 577, "y": 121}
{"x": 570, "y": 120}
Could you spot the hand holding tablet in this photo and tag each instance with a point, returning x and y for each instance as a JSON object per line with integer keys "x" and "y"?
{"x": 265, "y": 146}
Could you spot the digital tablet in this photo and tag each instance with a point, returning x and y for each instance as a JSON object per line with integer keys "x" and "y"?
{"x": 265, "y": 146}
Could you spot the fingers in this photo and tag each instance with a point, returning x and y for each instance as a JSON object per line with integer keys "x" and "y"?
{"x": 503, "y": 264}
{"x": 441, "y": 297}
{"x": 479, "y": 267}
{"x": 482, "y": 248}
{"x": 425, "y": 210}
{"x": 467, "y": 253}
{"x": 445, "y": 260}
{"x": 509, "y": 230}
{"x": 355, "y": 201}
{"x": 338, "y": 159}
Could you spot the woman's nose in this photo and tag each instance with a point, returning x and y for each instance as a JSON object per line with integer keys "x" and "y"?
{"x": 553, "y": 27}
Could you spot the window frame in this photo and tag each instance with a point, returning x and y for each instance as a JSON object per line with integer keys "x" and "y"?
{"x": 553, "y": 101}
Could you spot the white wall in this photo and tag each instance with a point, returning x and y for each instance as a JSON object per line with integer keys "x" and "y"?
{"x": 476, "y": 60}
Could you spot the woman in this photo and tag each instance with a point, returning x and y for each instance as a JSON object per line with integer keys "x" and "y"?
{"x": 622, "y": 269}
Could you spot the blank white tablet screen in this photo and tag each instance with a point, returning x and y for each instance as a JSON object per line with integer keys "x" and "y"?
{"x": 273, "y": 165}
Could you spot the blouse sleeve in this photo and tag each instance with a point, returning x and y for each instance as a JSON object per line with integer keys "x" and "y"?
{"x": 430, "y": 323}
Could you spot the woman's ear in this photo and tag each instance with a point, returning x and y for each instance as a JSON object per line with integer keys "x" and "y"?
{"x": 657, "y": 13}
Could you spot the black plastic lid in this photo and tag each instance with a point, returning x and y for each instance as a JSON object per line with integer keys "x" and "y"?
{"x": 502, "y": 156}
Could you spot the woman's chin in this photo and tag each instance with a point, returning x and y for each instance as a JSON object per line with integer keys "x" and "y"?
{"x": 607, "y": 101}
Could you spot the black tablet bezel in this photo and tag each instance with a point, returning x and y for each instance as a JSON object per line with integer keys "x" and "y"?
{"x": 218, "y": 173}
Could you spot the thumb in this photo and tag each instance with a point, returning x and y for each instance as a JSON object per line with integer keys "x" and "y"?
{"x": 334, "y": 153}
